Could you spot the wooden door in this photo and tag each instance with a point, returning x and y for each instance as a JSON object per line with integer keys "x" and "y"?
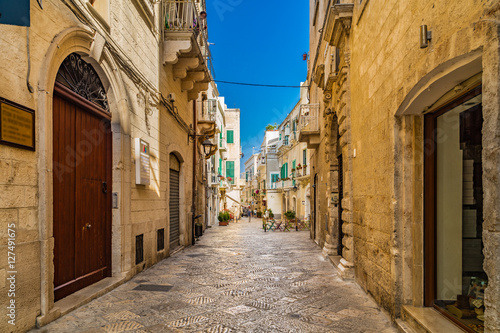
{"x": 82, "y": 193}
{"x": 174, "y": 209}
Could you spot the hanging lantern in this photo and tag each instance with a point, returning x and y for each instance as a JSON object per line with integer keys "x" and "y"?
{"x": 304, "y": 56}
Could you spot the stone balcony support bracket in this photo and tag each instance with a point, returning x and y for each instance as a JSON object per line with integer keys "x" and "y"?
{"x": 339, "y": 21}
{"x": 182, "y": 50}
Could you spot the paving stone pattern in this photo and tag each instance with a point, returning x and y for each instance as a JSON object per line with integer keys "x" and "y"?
{"x": 235, "y": 279}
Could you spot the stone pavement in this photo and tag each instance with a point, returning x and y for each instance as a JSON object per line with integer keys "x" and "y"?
{"x": 235, "y": 279}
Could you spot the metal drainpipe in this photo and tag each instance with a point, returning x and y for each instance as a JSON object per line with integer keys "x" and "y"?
{"x": 193, "y": 195}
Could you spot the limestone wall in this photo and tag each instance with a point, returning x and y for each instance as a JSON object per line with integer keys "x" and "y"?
{"x": 123, "y": 37}
{"x": 387, "y": 66}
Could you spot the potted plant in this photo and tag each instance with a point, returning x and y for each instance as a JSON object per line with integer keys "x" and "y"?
{"x": 299, "y": 167}
{"x": 290, "y": 215}
{"x": 223, "y": 218}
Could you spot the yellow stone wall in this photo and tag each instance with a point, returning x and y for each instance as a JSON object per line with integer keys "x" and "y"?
{"x": 26, "y": 177}
{"x": 387, "y": 64}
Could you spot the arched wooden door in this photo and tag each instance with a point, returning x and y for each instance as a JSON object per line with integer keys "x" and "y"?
{"x": 81, "y": 178}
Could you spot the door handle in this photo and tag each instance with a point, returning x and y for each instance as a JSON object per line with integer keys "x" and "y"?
{"x": 104, "y": 187}
{"x": 87, "y": 226}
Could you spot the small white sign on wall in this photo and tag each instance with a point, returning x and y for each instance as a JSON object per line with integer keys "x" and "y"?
{"x": 142, "y": 162}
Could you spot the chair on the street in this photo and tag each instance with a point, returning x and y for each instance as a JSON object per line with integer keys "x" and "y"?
{"x": 302, "y": 224}
{"x": 287, "y": 225}
{"x": 277, "y": 225}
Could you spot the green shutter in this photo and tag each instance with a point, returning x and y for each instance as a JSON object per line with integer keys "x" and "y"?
{"x": 220, "y": 166}
{"x": 230, "y": 136}
{"x": 293, "y": 164}
{"x": 264, "y": 184}
{"x": 286, "y": 169}
{"x": 230, "y": 170}
{"x": 304, "y": 156}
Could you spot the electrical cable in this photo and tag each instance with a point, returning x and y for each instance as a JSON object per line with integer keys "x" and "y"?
{"x": 260, "y": 85}
{"x": 30, "y": 87}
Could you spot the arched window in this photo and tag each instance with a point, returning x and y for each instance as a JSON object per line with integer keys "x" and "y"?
{"x": 81, "y": 78}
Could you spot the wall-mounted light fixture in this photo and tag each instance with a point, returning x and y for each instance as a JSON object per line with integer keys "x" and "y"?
{"x": 425, "y": 36}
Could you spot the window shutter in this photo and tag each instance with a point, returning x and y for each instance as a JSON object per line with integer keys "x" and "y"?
{"x": 230, "y": 136}
{"x": 230, "y": 170}
{"x": 304, "y": 156}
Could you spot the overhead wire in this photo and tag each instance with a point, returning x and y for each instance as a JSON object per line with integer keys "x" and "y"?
{"x": 259, "y": 84}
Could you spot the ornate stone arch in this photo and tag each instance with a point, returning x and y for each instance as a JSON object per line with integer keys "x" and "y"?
{"x": 80, "y": 41}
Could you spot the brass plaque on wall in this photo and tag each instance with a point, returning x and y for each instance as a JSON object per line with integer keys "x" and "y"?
{"x": 17, "y": 125}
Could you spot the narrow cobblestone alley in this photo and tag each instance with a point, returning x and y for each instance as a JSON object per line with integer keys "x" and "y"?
{"x": 235, "y": 279}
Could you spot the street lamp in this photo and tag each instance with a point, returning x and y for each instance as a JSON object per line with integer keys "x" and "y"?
{"x": 207, "y": 146}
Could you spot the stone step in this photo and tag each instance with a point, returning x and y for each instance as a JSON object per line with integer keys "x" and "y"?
{"x": 427, "y": 320}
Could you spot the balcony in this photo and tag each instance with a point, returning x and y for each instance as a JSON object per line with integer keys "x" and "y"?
{"x": 186, "y": 46}
{"x": 223, "y": 146}
{"x": 206, "y": 116}
{"x": 284, "y": 184}
{"x": 214, "y": 180}
{"x": 309, "y": 125}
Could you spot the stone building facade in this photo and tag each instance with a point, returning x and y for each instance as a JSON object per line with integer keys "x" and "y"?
{"x": 232, "y": 163}
{"x": 106, "y": 158}
{"x": 414, "y": 117}
{"x": 293, "y": 181}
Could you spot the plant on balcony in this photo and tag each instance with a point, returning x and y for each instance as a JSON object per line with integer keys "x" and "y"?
{"x": 293, "y": 169}
{"x": 264, "y": 191}
{"x": 299, "y": 167}
{"x": 229, "y": 179}
{"x": 256, "y": 191}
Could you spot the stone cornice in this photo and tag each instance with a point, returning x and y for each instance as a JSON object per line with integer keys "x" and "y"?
{"x": 339, "y": 22}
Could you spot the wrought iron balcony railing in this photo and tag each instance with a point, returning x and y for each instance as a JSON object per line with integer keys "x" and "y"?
{"x": 182, "y": 16}
{"x": 309, "y": 118}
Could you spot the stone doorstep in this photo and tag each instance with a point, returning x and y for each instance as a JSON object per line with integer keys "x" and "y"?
{"x": 79, "y": 298}
{"x": 426, "y": 320}
{"x": 345, "y": 269}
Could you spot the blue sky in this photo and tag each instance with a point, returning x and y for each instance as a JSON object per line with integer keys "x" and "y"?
{"x": 259, "y": 41}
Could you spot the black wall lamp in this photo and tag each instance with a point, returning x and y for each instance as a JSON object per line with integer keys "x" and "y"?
{"x": 207, "y": 146}
{"x": 425, "y": 36}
